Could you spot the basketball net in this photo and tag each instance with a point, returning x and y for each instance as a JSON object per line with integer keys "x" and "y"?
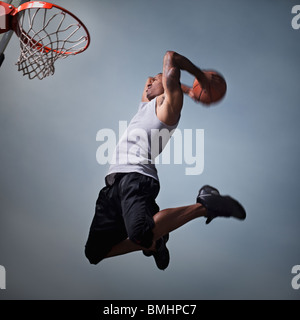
{"x": 46, "y": 36}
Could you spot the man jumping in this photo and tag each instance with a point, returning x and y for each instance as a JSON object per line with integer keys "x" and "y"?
{"x": 127, "y": 217}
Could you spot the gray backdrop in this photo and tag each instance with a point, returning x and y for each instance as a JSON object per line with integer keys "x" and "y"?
{"x": 50, "y": 179}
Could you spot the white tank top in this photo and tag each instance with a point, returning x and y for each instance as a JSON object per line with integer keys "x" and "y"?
{"x": 145, "y": 138}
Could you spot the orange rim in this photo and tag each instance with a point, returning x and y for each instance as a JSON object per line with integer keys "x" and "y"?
{"x": 47, "y": 5}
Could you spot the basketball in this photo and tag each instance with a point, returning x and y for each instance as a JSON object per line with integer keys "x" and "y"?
{"x": 214, "y": 92}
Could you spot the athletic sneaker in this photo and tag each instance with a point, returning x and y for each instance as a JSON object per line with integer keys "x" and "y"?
{"x": 161, "y": 255}
{"x": 218, "y": 205}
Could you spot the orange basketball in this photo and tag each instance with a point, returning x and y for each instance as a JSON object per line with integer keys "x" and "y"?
{"x": 214, "y": 92}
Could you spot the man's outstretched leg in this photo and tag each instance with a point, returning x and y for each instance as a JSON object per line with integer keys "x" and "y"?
{"x": 210, "y": 204}
{"x": 165, "y": 221}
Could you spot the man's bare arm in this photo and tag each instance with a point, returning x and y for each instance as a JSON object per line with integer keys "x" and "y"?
{"x": 173, "y": 89}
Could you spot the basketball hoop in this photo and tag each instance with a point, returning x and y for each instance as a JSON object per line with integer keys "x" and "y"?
{"x": 47, "y": 32}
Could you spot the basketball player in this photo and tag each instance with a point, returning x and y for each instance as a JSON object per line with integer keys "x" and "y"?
{"x": 127, "y": 217}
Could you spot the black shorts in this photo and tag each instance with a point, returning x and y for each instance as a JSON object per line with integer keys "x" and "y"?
{"x": 123, "y": 210}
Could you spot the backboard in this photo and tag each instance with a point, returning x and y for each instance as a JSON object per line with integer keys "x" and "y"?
{"x": 5, "y": 37}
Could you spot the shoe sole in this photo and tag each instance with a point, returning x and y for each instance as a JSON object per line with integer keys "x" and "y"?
{"x": 218, "y": 205}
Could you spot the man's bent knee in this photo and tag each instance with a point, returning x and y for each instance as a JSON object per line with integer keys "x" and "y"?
{"x": 97, "y": 247}
{"x": 93, "y": 256}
